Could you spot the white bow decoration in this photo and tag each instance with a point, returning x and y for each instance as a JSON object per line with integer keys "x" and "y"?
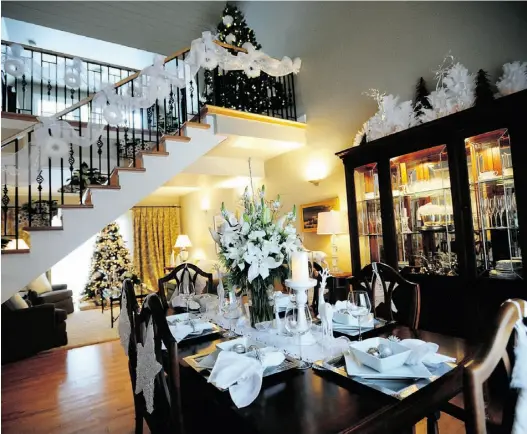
{"x": 124, "y": 327}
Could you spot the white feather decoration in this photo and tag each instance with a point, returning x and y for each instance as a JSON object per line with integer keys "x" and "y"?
{"x": 514, "y": 78}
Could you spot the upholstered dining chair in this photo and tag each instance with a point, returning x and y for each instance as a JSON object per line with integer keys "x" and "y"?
{"x": 400, "y": 293}
{"x": 179, "y": 274}
{"x": 166, "y": 415}
{"x": 499, "y": 348}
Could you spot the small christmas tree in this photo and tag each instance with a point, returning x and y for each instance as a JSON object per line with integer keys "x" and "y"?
{"x": 484, "y": 93}
{"x": 421, "y": 100}
{"x": 236, "y": 90}
{"x": 111, "y": 264}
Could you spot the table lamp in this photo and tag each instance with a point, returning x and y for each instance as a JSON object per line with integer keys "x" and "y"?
{"x": 331, "y": 223}
{"x": 182, "y": 242}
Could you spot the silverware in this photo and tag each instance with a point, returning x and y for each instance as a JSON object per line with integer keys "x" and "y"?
{"x": 238, "y": 348}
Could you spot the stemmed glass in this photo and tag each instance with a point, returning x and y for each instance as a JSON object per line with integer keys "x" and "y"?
{"x": 500, "y": 205}
{"x": 359, "y": 306}
{"x": 231, "y": 311}
{"x": 298, "y": 321}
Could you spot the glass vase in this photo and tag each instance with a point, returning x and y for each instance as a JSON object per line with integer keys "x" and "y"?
{"x": 260, "y": 307}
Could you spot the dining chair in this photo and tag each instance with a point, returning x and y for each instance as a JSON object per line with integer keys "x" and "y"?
{"x": 188, "y": 271}
{"x": 166, "y": 416}
{"x": 402, "y": 298}
{"x": 317, "y": 269}
{"x": 498, "y": 350}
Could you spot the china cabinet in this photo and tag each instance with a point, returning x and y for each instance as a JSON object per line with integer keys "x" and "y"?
{"x": 445, "y": 203}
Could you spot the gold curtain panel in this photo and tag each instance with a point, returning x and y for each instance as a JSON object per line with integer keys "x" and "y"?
{"x": 155, "y": 233}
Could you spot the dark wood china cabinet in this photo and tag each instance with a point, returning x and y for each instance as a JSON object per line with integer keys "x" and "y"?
{"x": 446, "y": 204}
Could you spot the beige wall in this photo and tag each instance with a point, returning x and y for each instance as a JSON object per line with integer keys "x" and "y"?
{"x": 350, "y": 47}
{"x": 197, "y": 215}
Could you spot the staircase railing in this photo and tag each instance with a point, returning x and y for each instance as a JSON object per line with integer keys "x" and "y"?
{"x": 33, "y": 194}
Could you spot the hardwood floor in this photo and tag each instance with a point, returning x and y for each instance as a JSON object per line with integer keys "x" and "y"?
{"x": 85, "y": 390}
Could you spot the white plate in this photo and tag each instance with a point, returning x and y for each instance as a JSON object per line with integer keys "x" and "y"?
{"x": 405, "y": 371}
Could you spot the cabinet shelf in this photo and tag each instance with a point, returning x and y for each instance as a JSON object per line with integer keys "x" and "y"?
{"x": 497, "y": 181}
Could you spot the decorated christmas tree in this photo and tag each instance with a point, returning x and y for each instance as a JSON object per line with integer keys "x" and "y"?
{"x": 484, "y": 94}
{"x": 421, "y": 100}
{"x": 111, "y": 263}
{"x": 235, "y": 89}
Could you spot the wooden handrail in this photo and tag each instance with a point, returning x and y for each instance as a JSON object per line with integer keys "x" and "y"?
{"x": 116, "y": 85}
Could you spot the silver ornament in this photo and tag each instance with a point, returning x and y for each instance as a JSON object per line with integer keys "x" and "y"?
{"x": 385, "y": 351}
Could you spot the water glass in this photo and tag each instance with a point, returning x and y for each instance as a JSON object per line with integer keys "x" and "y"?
{"x": 359, "y": 306}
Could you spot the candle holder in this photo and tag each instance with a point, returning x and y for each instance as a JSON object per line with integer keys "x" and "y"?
{"x": 303, "y": 327}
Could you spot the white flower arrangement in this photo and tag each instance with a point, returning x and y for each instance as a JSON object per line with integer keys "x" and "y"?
{"x": 258, "y": 242}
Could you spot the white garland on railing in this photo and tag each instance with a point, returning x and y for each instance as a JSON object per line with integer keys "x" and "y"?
{"x": 52, "y": 136}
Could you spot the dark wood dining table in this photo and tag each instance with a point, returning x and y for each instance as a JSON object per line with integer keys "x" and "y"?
{"x": 318, "y": 401}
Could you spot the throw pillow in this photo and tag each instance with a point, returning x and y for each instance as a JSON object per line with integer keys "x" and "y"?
{"x": 16, "y": 302}
{"x": 40, "y": 285}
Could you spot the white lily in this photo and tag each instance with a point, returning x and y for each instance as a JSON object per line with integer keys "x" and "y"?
{"x": 260, "y": 261}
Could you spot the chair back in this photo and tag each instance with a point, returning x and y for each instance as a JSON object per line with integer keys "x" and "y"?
{"x": 477, "y": 371}
{"x": 405, "y": 295}
{"x": 166, "y": 416}
{"x": 178, "y": 274}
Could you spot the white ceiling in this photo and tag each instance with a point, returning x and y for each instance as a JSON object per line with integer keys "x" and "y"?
{"x": 159, "y": 27}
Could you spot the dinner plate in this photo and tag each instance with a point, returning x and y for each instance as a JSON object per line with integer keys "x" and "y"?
{"x": 405, "y": 371}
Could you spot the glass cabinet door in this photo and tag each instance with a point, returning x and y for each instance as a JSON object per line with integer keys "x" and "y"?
{"x": 424, "y": 218}
{"x": 369, "y": 214}
{"x": 493, "y": 198}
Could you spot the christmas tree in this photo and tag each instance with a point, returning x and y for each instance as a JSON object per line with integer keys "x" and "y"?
{"x": 484, "y": 93}
{"x": 421, "y": 100}
{"x": 234, "y": 89}
{"x": 111, "y": 263}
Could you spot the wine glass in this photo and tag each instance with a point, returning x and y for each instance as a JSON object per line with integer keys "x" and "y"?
{"x": 359, "y": 306}
{"x": 231, "y": 311}
{"x": 298, "y": 322}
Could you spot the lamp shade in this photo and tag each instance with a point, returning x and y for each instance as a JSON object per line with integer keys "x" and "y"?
{"x": 12, "y": 245}
{"x": 330, "y": 223}
{"x": 182, "y": 242}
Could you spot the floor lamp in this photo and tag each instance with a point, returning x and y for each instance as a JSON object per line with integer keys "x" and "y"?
{"x": 331, "y": 223}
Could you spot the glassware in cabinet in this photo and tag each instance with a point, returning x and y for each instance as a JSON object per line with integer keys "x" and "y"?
{"x": 493, "y": 200}
{"x": 424, "y": 217}
{"x": 369, "y": 219}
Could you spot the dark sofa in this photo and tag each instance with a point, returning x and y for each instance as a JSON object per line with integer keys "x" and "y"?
{"x": 27, "y": 331}
{"x": 60, "y": 296}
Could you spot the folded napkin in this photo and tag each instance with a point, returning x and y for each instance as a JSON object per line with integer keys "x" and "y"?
{"x": 269, "y": 357}
{"x": 240, "y": 374}
{"x": 180, "y": 301}
{"x": 181, "y": 330}
{"x": 281, "y": 299}
{"x": 424, "y": 352}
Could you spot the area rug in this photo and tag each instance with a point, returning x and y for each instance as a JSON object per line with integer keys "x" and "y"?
{"x": 90, "y": 327}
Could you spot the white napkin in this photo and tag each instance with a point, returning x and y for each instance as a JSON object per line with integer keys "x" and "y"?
{"x": 240, "y": 374}
{"x": 344, "y": 320}
{"x": 181, "y": 330}
{"x": 424, "y": 352}
{"x": 340, "y": 305}
{"x": 270, "y": 357}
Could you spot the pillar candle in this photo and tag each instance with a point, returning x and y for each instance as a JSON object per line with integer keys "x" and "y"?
{"x": 299, "y": 266}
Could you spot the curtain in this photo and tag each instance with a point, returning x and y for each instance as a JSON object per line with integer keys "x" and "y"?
{"x": 155, "y": 233}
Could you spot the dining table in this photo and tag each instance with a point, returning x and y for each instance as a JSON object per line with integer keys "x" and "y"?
{"x": 317, "y": 400}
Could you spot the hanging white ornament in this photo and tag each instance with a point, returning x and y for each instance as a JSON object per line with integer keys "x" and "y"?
{"x": 514, "y": 78}
{"x": 15, "y": 64}
{"x": 56, "y": 148}
{"x": 228, "y": 20}
{"x": 230, "y": 38}
{"x": 113, "y": 114}
{"x": 147, "y": 368}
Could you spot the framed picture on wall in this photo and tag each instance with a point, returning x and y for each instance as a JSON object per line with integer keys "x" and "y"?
{"x": 309, "y": 213}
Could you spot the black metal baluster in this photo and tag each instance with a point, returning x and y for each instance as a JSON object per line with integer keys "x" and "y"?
{"x": 166, "y": 115}
{"x": 268, "y": 94}
{"x": 143, "y": 146}
{"x": 191, "y": 92}
{"x": 133, "y": 126}
{"x": 100, "y": 144}
{"x": 61, "y": 181}
{"x": 171, "y": 113}
{"x": 57, "y": 83}
{"x": 294, "y": 98}
{"x": 41, "y": 85}
{"x": 29, "y": 177}
{"x": 5, "y": 203}
{"x": 281, "y": 80}
{"x": 178, "y": 108}
{"x": 65, "y": 88}
{"x": 16, "y": 192}
{"x": 31, "y": 85}
{"x": 81, "y": 183}
{"x": 118, "y": 147}
{"x": 198, "y": 97}
{"x": 126, "y": 144}
{"x": 50, "y": 197}
{"x": 149, "y": 116}
{"x": 71, "y": 161}
{"x": 183, "y": 110}
{"x": 157, "y": 125}
{"x": 24, "y": 84}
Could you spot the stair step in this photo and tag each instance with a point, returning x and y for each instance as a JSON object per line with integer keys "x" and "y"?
{"x": 43, "y": 228}
{"x": 201, "y": 125}
{"x": 176, "y": 138}
{"x": 14, "y": 251}
{"x": 154, "y": 153}
{"x": 79, "y": 206}
{"x": 130, "y": 169}
{"x": 104, "y": 187}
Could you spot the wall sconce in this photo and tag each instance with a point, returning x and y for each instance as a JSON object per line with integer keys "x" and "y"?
{"x": 315, "y": 182}
{"x": 316, "y": 171}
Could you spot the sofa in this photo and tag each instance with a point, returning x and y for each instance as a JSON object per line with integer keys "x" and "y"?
{"x": 27, "y": 330}
{"x": 60, "y": 296}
